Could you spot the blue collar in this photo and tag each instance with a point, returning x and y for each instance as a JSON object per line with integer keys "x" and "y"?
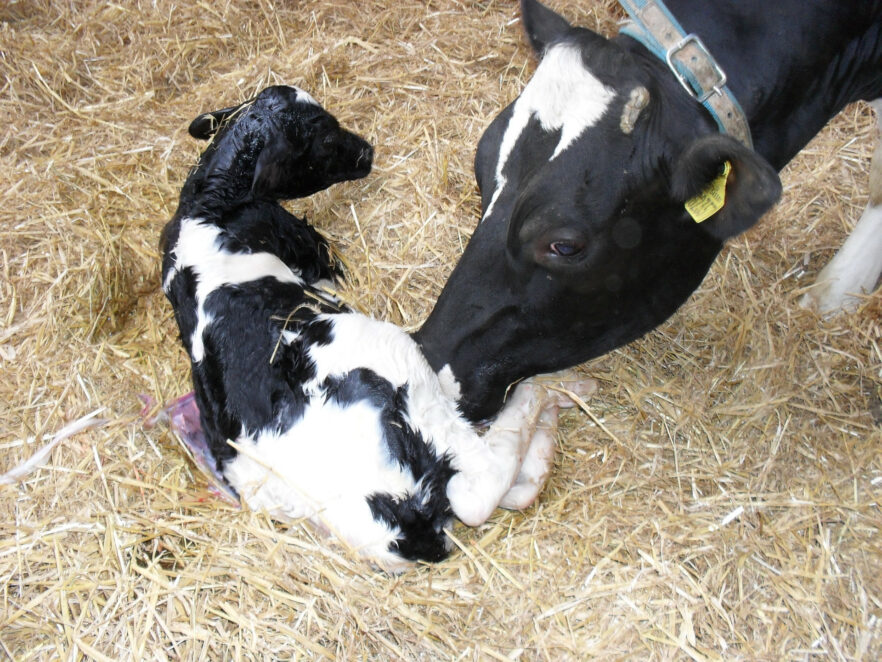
{"x": 689, "y": 60}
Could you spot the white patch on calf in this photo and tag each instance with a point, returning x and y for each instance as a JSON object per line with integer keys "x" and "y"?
{"x": 332, "y": 458}
{"x": 197, "y": 248}
{"x": 449, "y": 383}
{"x": 564, "y": 96}
{"x": 305, "y": 97}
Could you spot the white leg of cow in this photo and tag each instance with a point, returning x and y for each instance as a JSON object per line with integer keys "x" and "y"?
{"x": 539, "y": 459}
{"x": 856, "y": 268}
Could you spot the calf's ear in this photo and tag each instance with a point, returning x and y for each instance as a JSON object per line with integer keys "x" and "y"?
{"x": 207, "y": 124}
{"x": 542, "y": 25}
{"x": 751, "y": 184}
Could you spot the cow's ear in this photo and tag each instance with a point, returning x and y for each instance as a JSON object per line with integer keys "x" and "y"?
{"x": 732, "y": 185}
{"x": 542, "y": 25}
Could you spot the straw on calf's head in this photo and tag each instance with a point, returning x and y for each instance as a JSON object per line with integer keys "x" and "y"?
{"x": 281, "y": 145}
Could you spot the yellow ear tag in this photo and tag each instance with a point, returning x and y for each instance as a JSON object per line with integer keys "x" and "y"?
{"x": 711, "y": 199}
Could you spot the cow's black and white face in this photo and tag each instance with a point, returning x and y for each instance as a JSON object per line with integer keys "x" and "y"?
{"x": 584, "y": 243}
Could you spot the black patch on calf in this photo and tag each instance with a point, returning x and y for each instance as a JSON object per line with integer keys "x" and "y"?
{"x": 293, "y": 360}
{"x": 218, "y": 421}
{"x": 422, "y": 536}
{"x": 318, "y": 332}
{"x": 249, "y": 378}
{"x": 277, "y": 147}
{"x": 182, "y": 294}
{"x": 420, "y": 516}
{"x": 267, "y": 227}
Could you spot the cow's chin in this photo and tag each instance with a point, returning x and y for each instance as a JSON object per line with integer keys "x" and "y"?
{"x": 480, "y": 395}
{"x": 483, "y": 408}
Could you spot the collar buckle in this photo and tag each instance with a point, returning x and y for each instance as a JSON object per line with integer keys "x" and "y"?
{"x": 701, "y": 79}
{"x": 689, "y": 60}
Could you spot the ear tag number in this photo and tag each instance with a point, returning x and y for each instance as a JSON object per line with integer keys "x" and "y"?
{"x": 711, "y": 199}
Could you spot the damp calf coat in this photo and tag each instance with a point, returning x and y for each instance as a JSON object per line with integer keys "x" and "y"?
{"x": 309, "y": 410}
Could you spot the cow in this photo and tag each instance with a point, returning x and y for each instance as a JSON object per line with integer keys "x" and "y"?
{"x": 584, "y": 242}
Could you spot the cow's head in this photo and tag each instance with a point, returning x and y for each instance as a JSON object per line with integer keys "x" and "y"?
{"x": 585, "y": 244}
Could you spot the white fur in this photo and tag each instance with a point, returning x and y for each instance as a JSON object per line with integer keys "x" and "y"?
{"x": 349, "y": 442}
{"x": 449, "y": 383}
{"x": 856, "y": 268}
{"x": 197, "y": 248}
{"x": 563, "y": 95}
{"x": 305, "y": 97}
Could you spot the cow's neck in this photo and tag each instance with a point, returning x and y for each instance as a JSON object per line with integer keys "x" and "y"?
{"x": 793, "y": 68}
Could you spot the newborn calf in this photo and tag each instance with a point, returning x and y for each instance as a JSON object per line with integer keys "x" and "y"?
{"x": 309, "y": 410}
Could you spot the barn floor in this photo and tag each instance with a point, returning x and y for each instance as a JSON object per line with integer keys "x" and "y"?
{"x": 718, "y": 500}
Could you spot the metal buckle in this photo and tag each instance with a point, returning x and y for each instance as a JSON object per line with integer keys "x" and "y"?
{"x": 716, "y": 87}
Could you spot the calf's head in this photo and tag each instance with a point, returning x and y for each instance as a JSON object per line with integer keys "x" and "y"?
{"x": 280, "y": 145}
{"x": 584, "y": 242}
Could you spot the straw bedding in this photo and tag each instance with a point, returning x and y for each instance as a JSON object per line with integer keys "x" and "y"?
{"x": 717, "y": 499}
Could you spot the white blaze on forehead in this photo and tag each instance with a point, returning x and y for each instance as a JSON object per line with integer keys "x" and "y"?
{"x": 564, "y": 96}
{"x": 567, "y": 96}
{"x": 198, "y": 248}
{"x": 305, "y": 97}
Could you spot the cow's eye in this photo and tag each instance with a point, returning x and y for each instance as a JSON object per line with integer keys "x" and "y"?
{"x": 565, "y": 248}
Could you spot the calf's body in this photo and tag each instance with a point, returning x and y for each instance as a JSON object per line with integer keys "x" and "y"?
{"x": 309, "y": 410}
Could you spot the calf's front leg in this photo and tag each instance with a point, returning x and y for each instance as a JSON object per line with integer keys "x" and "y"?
{"x": 509, "y": 465}
{"x": 487, "y": 465}
{"x": 539, "y": 458}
